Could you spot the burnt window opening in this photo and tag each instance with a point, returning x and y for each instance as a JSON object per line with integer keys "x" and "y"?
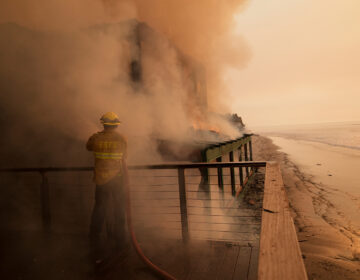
{"x": 135, "y": 71}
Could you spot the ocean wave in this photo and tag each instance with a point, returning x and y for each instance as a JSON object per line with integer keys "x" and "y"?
{"x": 316, "y": 140}
{"x": 332, "y": 144}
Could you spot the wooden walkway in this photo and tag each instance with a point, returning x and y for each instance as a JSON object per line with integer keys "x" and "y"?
{"x": 280, "y": 256}
{"x": 33, "y": 256}
{"x": 197, "y": 260}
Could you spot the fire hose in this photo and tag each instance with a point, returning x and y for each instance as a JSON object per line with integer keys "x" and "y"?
{"x": 163, "y": 274}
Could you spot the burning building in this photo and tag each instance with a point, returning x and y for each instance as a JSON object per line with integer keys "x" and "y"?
{"x": 55, "y": 86}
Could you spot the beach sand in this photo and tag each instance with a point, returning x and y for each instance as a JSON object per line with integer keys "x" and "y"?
{"x": 329, "y": 242}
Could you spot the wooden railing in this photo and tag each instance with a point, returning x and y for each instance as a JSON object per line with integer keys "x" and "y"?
{"x": 45, "y": 187}
{"x": 243, "y": 147}
{"x": 279, "y": 254}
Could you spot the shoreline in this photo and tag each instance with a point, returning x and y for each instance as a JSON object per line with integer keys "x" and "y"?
{"x": 330, "y": 249}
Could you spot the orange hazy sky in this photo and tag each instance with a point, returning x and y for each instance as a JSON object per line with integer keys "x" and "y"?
{"x": 305, "y": 64}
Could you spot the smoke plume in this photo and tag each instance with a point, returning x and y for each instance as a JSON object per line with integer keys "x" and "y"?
{"x": 201, "y": 28}
{"x": 64, "y": 63}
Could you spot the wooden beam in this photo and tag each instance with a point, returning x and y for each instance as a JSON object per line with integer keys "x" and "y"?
{"x": 232, "y": 173}
{"x": 241, "y": 175}
{"x": 220, "y": 174}
{"x": 246, "y": 159}
{"x": 45, "y": 202}
{"x": 280, "y": 256}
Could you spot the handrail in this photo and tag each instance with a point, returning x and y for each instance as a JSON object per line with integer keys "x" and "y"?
{"x": 201, "y": 165}
{"x": 45, "y": 187}
{"x": 137, "y": 167}
{"x": 218, "y": 150}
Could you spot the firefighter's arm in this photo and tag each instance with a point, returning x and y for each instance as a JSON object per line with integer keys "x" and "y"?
{"x": 90, "y": 143}
{"x": 125, "y": 173}
{"x": 124, "y": 165}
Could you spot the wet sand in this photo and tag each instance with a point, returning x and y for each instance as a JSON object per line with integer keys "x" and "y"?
{"x": 324, "y": 207}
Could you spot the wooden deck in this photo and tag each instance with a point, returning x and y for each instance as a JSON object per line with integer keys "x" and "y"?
{"x": 197, "y": 260}
{"x": 224, "y": 232}
{"x": 35, "y": 256}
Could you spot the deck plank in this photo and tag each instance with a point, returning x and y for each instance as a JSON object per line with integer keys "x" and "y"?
{"x": 209, "y": 263}
{"x": 242, "y": 264}
{"x": 254, "y": 262}
{"x": 280, "y": 256}
{"x": 226, "y": 270}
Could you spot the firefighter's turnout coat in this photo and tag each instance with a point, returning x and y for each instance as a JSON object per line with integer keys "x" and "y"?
{"x": 109, "y": 149}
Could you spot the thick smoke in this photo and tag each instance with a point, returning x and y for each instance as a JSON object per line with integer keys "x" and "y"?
{"x": 64, "y": 63}
{"x": 201, "y": 29}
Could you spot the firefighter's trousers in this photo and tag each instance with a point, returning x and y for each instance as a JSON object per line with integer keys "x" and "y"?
{"x": 110, "y": 204}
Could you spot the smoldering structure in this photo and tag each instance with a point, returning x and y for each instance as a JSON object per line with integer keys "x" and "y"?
{"x": 56, "y": 85}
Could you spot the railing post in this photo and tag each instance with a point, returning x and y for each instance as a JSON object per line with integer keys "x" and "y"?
{"x": 204, "y": 171}
{"x": 251, "y": 154}
{"x": 240, "y": 168}
{"x": 183, "y": 206}
{"x": 45, "y": 202}
{"x": 220, "y": 174}
{"x": 232, "y": 173}
{"x": 250, "y": 150}
{"x": 246, "y": 159}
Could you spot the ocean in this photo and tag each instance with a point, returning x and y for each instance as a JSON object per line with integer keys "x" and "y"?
{"x": 329, "y": 153}
{"x": 344, "y": 134}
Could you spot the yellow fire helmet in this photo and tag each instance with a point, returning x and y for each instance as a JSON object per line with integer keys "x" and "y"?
{"x": 110, "y": 118}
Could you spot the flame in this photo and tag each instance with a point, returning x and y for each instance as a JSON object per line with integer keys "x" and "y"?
{"x": 204, "y": 125}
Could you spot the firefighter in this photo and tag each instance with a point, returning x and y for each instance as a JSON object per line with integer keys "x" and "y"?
{"x": 109, "y": 148}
